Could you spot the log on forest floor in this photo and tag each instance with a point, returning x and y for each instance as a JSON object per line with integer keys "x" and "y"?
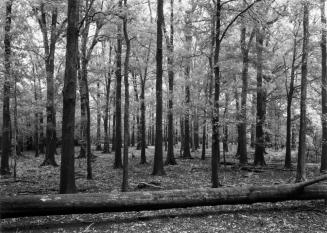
{"x": 61, "y": 204}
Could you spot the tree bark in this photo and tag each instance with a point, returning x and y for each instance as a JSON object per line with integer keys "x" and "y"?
{"x": 300, "y": 170}
{"x": 215, "y": 157}
{"x": 245, "y": 47}
{"x": 106, "y": 147}
{"x": 143, "y": 129}
{"x": 98, "y": 145}
{"x": 6, "y": 142}
{"x": 118, "y": 136}
{"x": 288, "y": 158}
{"x": 260, "y": 119}
{"x": 43, "y": 205}
{"x": 158, "y": 168}
{"x": 323, "y": 167}
{"x": 170, "y": 160}
{"x": 124, "y": 187}
{"x": 67, "y": 171}
{"x": 49, "y": 52}
{"x": 188, "y": 41}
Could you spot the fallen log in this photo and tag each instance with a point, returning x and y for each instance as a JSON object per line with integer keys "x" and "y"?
{"x": 61, "y": 204}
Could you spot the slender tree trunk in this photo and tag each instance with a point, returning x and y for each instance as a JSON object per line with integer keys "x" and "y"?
{"x": 253, "y": 112}
{"x": 242, "y": 143}
{"x": 323, "y": 167}
{"x": 215, "y": 157}
{"x": 225, "y": 141}
{"x": 114, "y": 129}
{"x": 143, "y": 129}
{"x": 188, "y": 41}
{"x": 260, "y": 119}
{"x": 106, "y": 147}
{"x": 300, "y": 171}
{"x": 126, "y": 106}
{"x": 36, "y": 116}
{"x": 170, "y": 160}
{"x": 6, "y": 142}
{"x": 49, "y": 49}
{"x": 288, "y": 158}
{"x": 196, "y": 130}
{"x": 82, "y": 152}
{"x": 204, "y": 134}
{"x": 67, "y": 172}
{"x": 118, "y": 138}
{"x": 138, "y": 124}
{"x": 98, "y": 146}
{"x": 85, "y": 97}
{"x": 158, "y": 168}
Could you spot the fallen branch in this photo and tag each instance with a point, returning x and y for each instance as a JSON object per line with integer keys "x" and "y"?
{"x": 61, "y": 204}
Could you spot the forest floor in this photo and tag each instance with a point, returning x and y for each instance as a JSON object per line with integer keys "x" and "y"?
{"x": 290, "y": 216}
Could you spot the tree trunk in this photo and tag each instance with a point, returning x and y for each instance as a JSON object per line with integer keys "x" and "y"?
{"x": 143, "y": 129}
{"x": 36, "y": 116}
{"x": 188, "y": 41}
{"x": 323, "y": 167}
{"x": 82, "y": 152}
{"x": 158, "y": 168}
{"x": 106, "y": 147}
{"x": 113, "y": 147}
{"x": 215, "y": 157}
{"x": 288, "y": 157}
{"x": 67, "y": 171}
{"x": 242, "y": 143}
{"x": 118, "y": 136}
{"x": 196, "y": 130}
{"x": 98, "y": 146}
{"x": 260, "y": 119}
{"x": 44, "y": 205}
{"x": 225, "y": 129}
{"x": 204, "y": 138}
{"x": 49, "y": 51}
{"x": 6, "y": 142}
{"x": 124, "y": 187}
{"x": 170, "y": 160}
{"x": 300, "y": 171}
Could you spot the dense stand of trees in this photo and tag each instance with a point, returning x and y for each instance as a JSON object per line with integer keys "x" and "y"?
{"x": 218, "y": 74}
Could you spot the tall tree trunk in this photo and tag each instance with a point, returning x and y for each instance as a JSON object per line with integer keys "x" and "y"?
{"x": 106, "y": 147}
{"x": 49, "y": 50}
{"x": 82, "y": 152}
{"x": 67, "y": 171}
{"x": 323, "y": 167}
{"x": 6, "y": 142}
{"x": 215, "y": 157}
{"x": 158, "y": 168}
{"x": 300, "y": 171}
{"x": 204, "y": 134}
{"x": 225, "y": 129}
{"x": 85, "y": 97}
{"x": 196, "y": 130}
{"x": 188, "y": 41}
{"x": 138, "y": 124}
{"x": 260, "y": 119}
{"x": 98, "y": 146}
{"x": 113, "y": 147}
{"x": 36, "y": 116}
{"x": 118, "y": 136}
{"x": 245, "y": 47}
{"x": 288, "y": 158}
{"x": 143, "y": 129}
{"x": 253, "y": 112}
{"x": 124, "y": 187}
{"x": 170, "y": 160}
